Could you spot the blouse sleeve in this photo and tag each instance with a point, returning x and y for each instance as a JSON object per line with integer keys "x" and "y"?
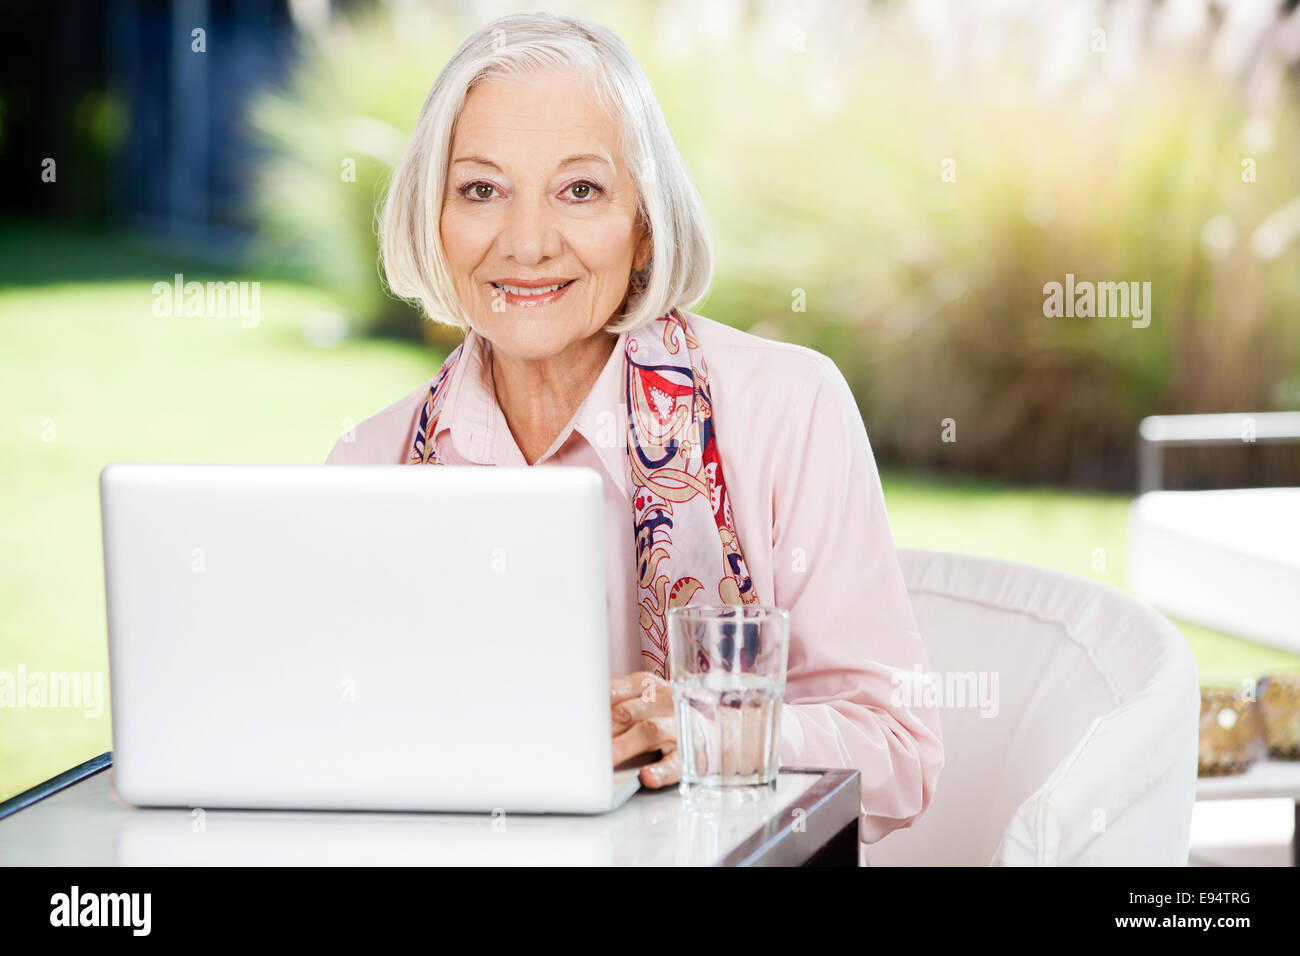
{"x": 853, "y": 638}
{"x": 339, "y": 453}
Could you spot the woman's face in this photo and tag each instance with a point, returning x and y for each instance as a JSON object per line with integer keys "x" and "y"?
{"x": 537, "y": 190}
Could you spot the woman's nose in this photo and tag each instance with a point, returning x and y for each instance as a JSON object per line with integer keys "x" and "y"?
{"x": 530, "y": 228}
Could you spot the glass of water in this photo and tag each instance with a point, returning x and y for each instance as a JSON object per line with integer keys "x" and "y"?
{"x": 727, "y": 668}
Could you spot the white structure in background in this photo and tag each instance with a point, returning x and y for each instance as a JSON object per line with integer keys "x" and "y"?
{"x": 1228, "y": 559}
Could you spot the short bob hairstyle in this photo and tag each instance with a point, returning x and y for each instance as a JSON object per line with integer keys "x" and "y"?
{"x": 680, "y": 267}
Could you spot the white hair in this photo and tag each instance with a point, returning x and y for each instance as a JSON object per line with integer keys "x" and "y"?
{"x": 680, "y": 266}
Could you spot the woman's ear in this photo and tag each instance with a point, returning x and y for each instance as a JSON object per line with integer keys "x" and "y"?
{"x": 644, "y": 247}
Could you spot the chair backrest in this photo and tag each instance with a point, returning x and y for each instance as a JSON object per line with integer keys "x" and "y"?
{"x": 1069, "y": 715}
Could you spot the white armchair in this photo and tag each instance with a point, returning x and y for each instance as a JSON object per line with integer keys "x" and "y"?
{"x": 1089, "y": 755}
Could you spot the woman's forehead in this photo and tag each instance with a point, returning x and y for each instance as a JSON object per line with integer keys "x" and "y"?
{"x": 543, "y": 103}
{"x": 515, "y": 136}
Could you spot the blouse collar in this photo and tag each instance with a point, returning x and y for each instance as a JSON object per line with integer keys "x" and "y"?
{"x": 478, "y": 427}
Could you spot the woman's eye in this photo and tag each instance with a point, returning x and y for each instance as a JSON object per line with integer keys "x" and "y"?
{"x": 583, "y": 190}
{"x": 478, "y": 190}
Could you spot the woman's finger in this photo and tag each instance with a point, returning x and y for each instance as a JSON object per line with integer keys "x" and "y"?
{"x": 640, "y": 685}
{"x": 628, "y": 712}
{"x": 663, "y": 773}
{"x": 653, "y": 734}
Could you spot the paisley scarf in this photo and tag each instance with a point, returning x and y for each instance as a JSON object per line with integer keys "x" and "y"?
{"x": 686, "y": 542}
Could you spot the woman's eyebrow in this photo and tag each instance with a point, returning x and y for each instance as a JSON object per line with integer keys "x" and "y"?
{"x": 579, "y": 158}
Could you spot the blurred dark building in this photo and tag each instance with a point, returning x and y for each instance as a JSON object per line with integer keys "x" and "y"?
{"x": 143, "y": 116}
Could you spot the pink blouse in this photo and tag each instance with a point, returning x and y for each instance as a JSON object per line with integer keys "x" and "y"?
{"x": 808, "y": 508}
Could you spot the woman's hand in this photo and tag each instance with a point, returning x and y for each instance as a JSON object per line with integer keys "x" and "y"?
{"x": 641, "y": 712}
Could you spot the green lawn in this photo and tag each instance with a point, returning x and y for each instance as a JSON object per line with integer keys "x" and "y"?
{"x": 89, "y": 375}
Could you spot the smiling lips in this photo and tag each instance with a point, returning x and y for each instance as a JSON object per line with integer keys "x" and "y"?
{"x": 532, "y": 292}
{"x": 662, "y": 394}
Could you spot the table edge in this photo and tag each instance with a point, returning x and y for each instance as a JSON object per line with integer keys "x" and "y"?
{"x": 830, "y": 783}
{"x": 52, "y": 786}
{"x": 1248, "y": 785}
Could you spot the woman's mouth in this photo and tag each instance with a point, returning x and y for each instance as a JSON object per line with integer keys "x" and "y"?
{"x": 531, "y": 298}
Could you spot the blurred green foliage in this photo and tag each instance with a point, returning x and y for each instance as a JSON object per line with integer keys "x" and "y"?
{"x": 332, "y": 137}
{"x": 824, "y": 176}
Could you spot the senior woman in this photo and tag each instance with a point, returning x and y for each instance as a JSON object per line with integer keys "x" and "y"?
{"x": 542, "y": 206}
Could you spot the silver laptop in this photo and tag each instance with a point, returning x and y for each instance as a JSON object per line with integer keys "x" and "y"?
{"x": 359, "y": 637}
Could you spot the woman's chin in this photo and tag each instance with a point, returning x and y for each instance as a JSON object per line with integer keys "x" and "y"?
{"x": 525, "y": 344}
{"x": 530, "y": 337}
